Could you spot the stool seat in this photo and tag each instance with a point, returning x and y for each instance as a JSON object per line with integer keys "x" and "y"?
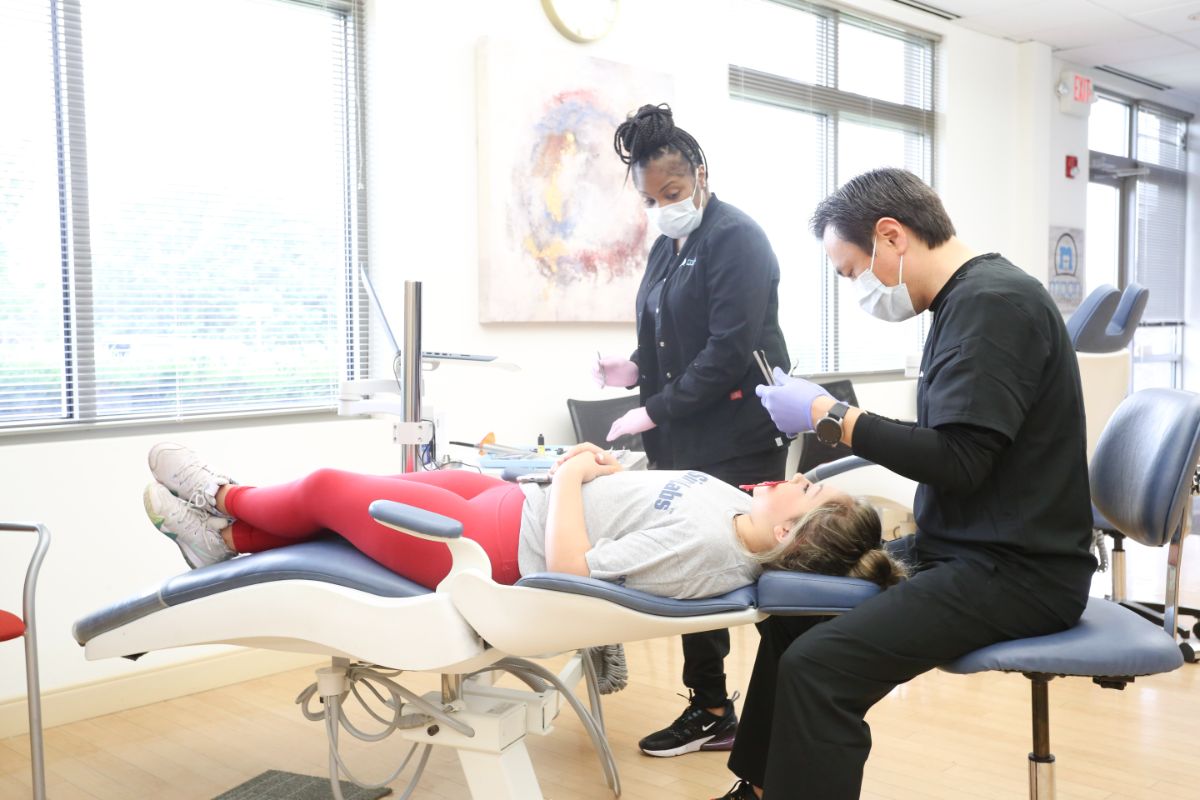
{"x": 1108, "y": 641}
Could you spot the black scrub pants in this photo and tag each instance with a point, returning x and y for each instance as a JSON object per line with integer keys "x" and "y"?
{"x": 704, "y": 653}
{"x": 803, "y": 734}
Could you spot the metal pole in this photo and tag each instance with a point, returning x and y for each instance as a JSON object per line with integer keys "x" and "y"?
{"x": 1118, "y": 569}
{"x": 452, "y": 688}
{"x": 1041, "y": 762}
{"x": 37, "y": 755}
{"x": 1174, "y": 562}
{"x": 409, "y": 453}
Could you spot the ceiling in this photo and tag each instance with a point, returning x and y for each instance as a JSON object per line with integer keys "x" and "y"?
{"x": 1157, "y": 40}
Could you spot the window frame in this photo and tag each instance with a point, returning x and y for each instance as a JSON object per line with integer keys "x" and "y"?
{"x": 70, "y": 111}
{"x": 833, "y": 105}
{"x": 1124, "y": 173}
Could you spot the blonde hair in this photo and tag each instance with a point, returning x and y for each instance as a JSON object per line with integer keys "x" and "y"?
{"x": 838, "y": 537}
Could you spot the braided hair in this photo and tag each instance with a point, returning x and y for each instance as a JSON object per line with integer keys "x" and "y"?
{"x": 650, "y": 133}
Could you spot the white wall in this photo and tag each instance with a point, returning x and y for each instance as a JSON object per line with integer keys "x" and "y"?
{"x": 87, "y": 490}
{"x": 994, "y": 145}
{"x": 423, "y": 189}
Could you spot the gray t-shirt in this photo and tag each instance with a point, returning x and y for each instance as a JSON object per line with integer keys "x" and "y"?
{"x": 665, "y": 532}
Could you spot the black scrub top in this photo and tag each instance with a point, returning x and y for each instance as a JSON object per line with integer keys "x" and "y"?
{"x": 700, "y": 315}
{"x": 998, "y": 356}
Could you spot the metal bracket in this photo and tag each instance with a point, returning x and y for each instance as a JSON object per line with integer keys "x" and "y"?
{"x": 412, "y": 433}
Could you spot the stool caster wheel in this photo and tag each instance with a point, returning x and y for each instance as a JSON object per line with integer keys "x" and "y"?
{"x": 1196, "y": 630}
{"x": 1189, "y": 652}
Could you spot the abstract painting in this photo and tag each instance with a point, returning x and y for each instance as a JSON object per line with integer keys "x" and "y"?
{"x": 563, "y": 236}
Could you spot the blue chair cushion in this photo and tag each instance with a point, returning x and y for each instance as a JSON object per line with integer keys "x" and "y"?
{"x": 737, "y": 600}
{"x": 802, "y": 593}
{"x": 329, "y": 560}
{"x": 1108, "y": 641}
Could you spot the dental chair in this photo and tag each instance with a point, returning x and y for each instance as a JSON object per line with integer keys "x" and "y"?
{"x": 375, "y": 625}
{"x": 325, "y": 597}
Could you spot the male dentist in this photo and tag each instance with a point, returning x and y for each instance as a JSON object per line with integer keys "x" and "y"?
{"x": 1003, "y": 509}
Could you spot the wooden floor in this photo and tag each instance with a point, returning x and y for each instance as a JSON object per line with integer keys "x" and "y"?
{"x": 941, "y": 736}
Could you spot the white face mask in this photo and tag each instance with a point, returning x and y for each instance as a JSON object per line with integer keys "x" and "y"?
{"x": 678, "y": 219}
{"x": 888, "y": 303}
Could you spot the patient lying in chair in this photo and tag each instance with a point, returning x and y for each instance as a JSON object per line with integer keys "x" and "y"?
{"x": 680, "y": 534}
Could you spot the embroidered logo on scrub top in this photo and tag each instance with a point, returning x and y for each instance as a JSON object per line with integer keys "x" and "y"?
{"x": 674, "y": 488}
{"x": 688, "y": 262}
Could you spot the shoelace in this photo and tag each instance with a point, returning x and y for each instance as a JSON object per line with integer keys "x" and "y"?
{"x": 692, "y": 708}
{"x": 199, "y": 498}
{"x": 201, "y": 535}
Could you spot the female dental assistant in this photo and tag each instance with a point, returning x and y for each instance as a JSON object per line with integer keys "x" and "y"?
{"x": 708, "y": 300}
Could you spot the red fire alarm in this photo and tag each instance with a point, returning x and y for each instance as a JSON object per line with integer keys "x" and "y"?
{"x": 1072, "y": 166}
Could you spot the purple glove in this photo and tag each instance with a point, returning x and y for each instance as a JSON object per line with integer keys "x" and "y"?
{"x": 615, "y": 371}
{"x": 633, "y": 421}
{"x": 790, "y": 402}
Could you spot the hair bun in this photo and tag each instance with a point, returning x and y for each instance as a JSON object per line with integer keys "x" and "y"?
{"x": 660, "y": 112}
{"x": 649, "y": 132}
{"x": 644, "y": 132}
{"x": 878, "y": 567}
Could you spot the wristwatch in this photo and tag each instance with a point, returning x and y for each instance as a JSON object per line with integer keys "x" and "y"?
{"x": 829, "y": 427}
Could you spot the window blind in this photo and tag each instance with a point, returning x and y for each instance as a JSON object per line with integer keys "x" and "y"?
{"x": 1160, "y": 217}
{"x": 856, "y": 94}
{"x": 1159, "y": 224}
{"x": 32, "y": 275}
{"x": 199, "y": 216}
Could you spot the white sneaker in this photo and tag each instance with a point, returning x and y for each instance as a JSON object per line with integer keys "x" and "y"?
{"x": 197, "y": 534}
{"x": 186, "y": 475}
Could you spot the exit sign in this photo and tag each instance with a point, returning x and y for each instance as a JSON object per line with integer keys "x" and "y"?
{"x": 1075, "y": 94}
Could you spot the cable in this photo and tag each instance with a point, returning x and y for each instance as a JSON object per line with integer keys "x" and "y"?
{"x": 533, "y": 675}
{"x": 333, "y": 718}
{"x": 524, "y": 670}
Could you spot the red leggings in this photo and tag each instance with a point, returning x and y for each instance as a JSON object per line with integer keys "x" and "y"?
{"x": 329, "y": 499}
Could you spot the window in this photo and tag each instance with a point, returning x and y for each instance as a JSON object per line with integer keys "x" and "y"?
{"x": 1137, "y": 206}
{"x": 180, "y": 214}
{"x": 838, "y": 96}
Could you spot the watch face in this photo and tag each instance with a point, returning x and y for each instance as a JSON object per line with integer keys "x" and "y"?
{"x": 582, "y": 20}
{"x": 829, "y": 431}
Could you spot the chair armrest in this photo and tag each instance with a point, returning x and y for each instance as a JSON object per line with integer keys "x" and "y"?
{"x": 415, "y": 521}
{"x": 465, "y": 554}
{"x": 35, "y": 564}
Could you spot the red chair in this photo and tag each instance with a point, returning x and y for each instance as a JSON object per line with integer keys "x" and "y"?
{"x": 14, "y": 627}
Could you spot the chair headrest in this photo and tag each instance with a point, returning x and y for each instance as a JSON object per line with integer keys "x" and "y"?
{"x": 1142, "y": 469}
{"x": 1107, "y": 319}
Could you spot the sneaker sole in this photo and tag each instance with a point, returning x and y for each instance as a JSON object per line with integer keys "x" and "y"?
{"x": 693, "y": 746}
{"x": 158, "y": 520}
{"x": 723, "y": 743}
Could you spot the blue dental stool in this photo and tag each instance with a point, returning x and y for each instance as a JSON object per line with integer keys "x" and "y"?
{"x": 1142, "y": 476}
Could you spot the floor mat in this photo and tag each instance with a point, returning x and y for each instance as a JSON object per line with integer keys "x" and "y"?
{"x": 277, "y": 785}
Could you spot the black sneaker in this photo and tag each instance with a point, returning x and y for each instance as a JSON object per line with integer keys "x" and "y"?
{"x": 696, "y": 729}
{"x": 740, "y": 791}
